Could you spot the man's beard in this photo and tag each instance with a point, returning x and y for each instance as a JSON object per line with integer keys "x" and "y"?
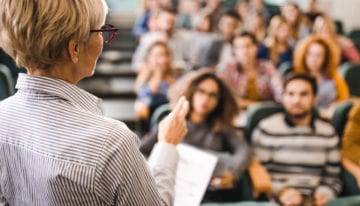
{"x": 299, "y": 116}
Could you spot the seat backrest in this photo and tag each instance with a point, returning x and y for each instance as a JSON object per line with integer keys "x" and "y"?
{"x": 258, "y": 111}
{"x": 340, "y": 117}
{"x": 6, "y": 82}
{"x": 285, "y": 68}
{"x": 339, "y": 26}
{"x": 351, "y": 74}
{"x": 354, "y": 35}
{"x": 159, "y": 114}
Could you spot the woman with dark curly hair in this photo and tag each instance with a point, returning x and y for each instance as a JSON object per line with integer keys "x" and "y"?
{"x": 210, "y": 127}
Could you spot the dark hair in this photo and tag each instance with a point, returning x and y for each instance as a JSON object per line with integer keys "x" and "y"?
{"x": 221, "y": 119}
{"x": 233, "y": 14}
{"x": 303, "y": 76}
{"x": 246, "y": 34}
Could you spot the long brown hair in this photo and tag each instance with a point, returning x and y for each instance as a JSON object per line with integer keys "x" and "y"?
{"x": 222, "y": 117}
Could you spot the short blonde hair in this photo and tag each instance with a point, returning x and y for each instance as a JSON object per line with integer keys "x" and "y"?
{"x": 36, "y": 32}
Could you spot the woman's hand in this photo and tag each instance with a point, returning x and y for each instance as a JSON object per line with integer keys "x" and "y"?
{"x": 173, "y": 128}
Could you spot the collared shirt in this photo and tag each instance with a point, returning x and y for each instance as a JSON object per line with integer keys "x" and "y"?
{"x": 57, "y": 149}
{"x": 268, "y": 83}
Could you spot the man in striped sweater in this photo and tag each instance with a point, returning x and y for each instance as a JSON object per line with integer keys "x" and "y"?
{"x": 299, "y": 150}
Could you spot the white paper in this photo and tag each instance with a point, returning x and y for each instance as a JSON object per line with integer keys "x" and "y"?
{"x": 193, "y": 174}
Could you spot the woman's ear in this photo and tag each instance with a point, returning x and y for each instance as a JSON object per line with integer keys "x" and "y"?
{"x": 73, "y": 49}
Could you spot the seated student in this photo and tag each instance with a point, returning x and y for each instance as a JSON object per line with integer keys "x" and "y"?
{"x": 351, "y": 143}
{"x": 325, "y": 26}
{"x": 300, "y": 25}
{"x": 256, "y": 24}
{"x": 153, "y": 80}
{"x": 209, "y": 122}
{"x": 200, "y": 38}
{"x": 253, "y": 80}
{"x": 166, "y": 32}
{"x": 299, "y": 150}
{"x": 276, "y": 46}
{"x": 219, "y": 51}
{"x": 318, "y": 56}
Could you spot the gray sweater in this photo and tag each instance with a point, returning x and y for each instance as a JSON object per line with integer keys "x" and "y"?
{"x": 231, "y": 149}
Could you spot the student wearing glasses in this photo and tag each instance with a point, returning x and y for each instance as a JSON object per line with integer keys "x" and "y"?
{"x": 56, "y": 147}
{"x": 209, "y": 122}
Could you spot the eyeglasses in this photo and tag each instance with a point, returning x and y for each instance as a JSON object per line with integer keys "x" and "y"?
{"x": 108, "y": 32}
{"x": 212, "y": 95}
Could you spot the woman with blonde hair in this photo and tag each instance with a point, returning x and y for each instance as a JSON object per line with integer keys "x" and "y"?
{"x": 153, "y": 80}
{"x": 325, "y": 26}
{"x": 301, "y": 26}
{"x": 66, "y": 152}
{"x": 210, "y": 127}
{"x": 276, "y": 46}
{"x": 318, "y": 56}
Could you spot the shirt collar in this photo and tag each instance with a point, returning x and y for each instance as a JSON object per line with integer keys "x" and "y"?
{"x": 56, "y": 87}
{"x": 292, "y": 124}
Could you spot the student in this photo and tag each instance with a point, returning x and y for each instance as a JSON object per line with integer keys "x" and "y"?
{"x": 325, "y": 26}
{"x": 301, "y": 26}
{"x": 153, "y": 80}
{"x": 252, "y": 79}
{"x": 210, "y": 127}
{"x": 177, "y": 41}
{"x": 56, "y": 147}
{"x": 299, "y": 150}
{"x": 276, "y": 46}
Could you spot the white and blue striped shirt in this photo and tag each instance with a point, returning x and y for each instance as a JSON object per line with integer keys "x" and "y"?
{"x": 57, "y": 149}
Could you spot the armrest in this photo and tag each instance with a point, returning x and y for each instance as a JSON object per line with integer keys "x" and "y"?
{"x": 260, "y": 179}
{"x": 352, "y": 168}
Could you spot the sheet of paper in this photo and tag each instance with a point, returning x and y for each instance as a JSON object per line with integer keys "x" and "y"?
{"x": 194, "y": 171}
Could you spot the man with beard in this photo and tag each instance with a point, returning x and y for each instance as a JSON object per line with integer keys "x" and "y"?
{"x": 299, "y": 150}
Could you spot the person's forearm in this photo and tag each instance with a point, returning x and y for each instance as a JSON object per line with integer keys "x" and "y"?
{"x": 163, "y": 164}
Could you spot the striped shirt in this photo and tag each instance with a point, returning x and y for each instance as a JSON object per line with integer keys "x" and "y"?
{"x": 57, "y": 149}
{"x": 302, "y": 157}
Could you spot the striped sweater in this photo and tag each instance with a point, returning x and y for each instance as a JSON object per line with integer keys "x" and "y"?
{"x": 302, "y": 157}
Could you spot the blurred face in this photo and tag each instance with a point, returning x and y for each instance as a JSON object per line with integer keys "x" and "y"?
{"x": 205, "y": 98}
{"x": 153, "y": 4}
{"x": 283, "y": 33}
{"x": 245, "y": 50}
{"x": 166, "y": 22}
{"x": 204, "y": 25}
{"x": 324, "y": 29}
{"x": 159, "y": 58}
{"x": 257, "y": 3}
{"x": 257, "y": 22}
{"x": 242, "y": 9}
{"x": 213, "y": 3}
{"x": 315, "y": 57}
{"x": 227, "y": 26}
{"x": 290, "y": 13}
{"x": 298, "y": 98}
